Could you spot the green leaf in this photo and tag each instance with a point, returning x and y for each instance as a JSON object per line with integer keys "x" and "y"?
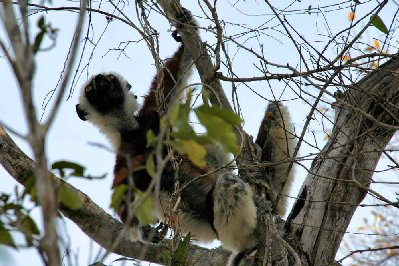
{"x": 29, "y": 188}
{"x": 205, "y": 97}
{"x": 41, "y": 24}
{"x": 61, "y": 166}
{"x": 117, "y": 196}
{"x": 150, "y": 166}
{"x": 11, "y": 206}
{"x": 218, "y": 129}
{"x": 29, "y": 225}
{"x": 180, "y": 256}
{"x": 144, "y": 208}
{"x": 228, "y": 116}
{"x": 173, "y": 113}
{"x": 178, "y": 146}
{"x": 180, "y": 119}
{"x": 38, "y": 41}
{"x": 183, "y": 135}
{"x": 377, "y": 22}
{"x": 196, "y": 152}
{"x": 69, "y": 198}
{"x": 5, "y": 236}
{"x": 151, "y": 138}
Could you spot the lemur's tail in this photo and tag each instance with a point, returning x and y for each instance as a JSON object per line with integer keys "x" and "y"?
{"x": 277, "y": 141}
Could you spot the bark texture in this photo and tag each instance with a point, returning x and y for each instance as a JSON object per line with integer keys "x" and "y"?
{"x": 365, "y": 121}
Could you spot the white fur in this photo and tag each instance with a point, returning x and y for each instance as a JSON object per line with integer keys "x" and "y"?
{"x": 112, "y": 123}
{"x": 135, "y": 234}
{"x": 185, "y": 71}
{"x": 217, "y": 157}
{"x": 199, "y": 230}
{"x": 235, "y": 213}
{"x": 284, "y": 142}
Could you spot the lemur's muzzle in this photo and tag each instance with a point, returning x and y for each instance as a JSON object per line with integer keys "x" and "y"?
{"x": 81, "y": 113}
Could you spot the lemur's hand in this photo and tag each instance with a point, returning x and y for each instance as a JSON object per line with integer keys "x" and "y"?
{"x": 184, "y": 17}
{"x": 150, "y": 234}
{"x": 176, "y": 36}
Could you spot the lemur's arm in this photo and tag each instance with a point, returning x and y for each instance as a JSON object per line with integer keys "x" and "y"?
{"x": 277, "y": 142}
{"x": 171, "y": 80}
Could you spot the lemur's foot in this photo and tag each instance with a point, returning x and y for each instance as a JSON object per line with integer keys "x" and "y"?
{"x": 184, "y": 17}
{"x": 262, "y": 205}
{"x": 150, "y": 234}
{"x": 153, "y": 234}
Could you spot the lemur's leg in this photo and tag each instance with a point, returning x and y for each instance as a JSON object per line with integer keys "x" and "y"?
{"x": 235, "y": 215}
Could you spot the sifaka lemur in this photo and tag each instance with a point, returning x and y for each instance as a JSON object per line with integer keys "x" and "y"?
{"x": 215, "y": 203}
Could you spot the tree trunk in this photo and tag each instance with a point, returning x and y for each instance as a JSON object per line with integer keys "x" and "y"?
{"x": 365, "y": 121}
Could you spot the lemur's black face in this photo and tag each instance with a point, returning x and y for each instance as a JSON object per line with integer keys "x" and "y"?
{"x": 105, "y": 93}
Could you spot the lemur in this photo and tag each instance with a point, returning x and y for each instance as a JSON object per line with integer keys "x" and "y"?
{"x": 277, "y": 142}
{"x": 218, "y": 205}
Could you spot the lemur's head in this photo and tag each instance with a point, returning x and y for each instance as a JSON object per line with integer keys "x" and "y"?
{"x": 106, "y": 102}
{"x": 104, "y": 94}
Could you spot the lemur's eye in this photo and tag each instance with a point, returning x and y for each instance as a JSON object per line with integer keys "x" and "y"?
{"x": 111, "y": 77}
{"x": 88, "y": 88}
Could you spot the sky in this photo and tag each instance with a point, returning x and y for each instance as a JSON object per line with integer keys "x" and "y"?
{"x": 70, "y": 138}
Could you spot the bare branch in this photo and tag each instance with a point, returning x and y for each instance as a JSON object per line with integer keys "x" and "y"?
{"x": 69, "y": 65}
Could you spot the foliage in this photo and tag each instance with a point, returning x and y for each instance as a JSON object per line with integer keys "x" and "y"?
{"x": 378, "y": 241}
{"x": 219, "y": 125}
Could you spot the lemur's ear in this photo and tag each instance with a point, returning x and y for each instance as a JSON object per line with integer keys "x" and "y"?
{"x": 128, "y": 86}
{"x": 82, "y": 114}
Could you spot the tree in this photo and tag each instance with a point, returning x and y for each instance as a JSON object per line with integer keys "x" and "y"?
{"x": 384, "y": 242}
{"x": 359, "y": 80}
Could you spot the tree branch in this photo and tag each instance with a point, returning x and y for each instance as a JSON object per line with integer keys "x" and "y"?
{"x": 95, "y": 222}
